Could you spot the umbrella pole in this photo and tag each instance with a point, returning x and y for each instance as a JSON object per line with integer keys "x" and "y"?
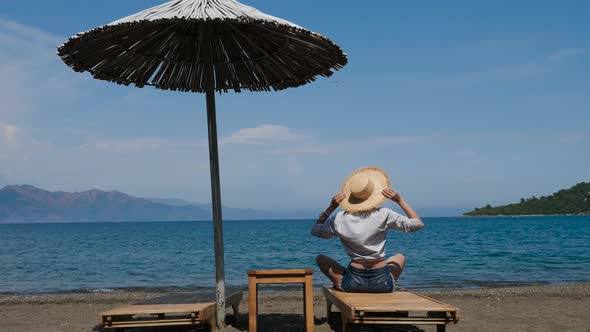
{"x": 215, "y": 183}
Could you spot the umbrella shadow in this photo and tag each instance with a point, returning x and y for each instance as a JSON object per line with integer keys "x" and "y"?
{"x": 296, "y": 323}
{"x": 336, "y": 325}
{"x": 276, "y": 322}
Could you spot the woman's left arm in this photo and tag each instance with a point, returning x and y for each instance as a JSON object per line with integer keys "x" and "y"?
{"x": 322, "y": 230}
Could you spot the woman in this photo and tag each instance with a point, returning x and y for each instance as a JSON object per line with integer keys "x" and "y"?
{"x": 362, "y": 229}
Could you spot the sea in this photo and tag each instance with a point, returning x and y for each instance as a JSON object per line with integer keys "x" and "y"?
{"x": 449, "y": 253}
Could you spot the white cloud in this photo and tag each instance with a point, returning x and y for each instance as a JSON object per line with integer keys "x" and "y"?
{"x": 512, "y": 68}
{"x": 262, "y": 138}
{"x": 16, "y": 146}
{"x": 345, "y": 145}
{"x": 144, "y": 145}
{"x": 26, "y": 33}
{"x": 573, "y": 137}
{"x": 263, "y": 134}
{"x": 467, "y": 153}
{"x": 32, "y": 74}
{"x": 384, "y": 141}
{"x": 568, "y": 53}
{"x": 8, "y": 132}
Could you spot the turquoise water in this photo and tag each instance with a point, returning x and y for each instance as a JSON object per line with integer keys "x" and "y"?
{"x": 447, "y": 253}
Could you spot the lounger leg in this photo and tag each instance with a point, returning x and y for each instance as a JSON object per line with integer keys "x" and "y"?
{"x": 213, "y": 324}
{"x": 328, "y": 311}
{"x": 441, "y": 328}
{"x": 345, "y": 322}
{"x": 236, "y": 312}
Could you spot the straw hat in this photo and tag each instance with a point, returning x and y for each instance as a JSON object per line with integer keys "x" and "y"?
{"x": 364, "y": 187}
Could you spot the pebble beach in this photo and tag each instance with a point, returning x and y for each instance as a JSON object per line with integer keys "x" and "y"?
{"x": 531, "y": 308}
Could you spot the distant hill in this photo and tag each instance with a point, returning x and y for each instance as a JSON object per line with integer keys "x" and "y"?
{"x": 575, "y": 200}
{"x": 29, "y": 204}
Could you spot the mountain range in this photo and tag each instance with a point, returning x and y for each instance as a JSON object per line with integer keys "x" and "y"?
{"x": 29, "y": 204}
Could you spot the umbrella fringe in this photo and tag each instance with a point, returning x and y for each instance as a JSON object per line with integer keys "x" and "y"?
{"x": 258, "y": 56}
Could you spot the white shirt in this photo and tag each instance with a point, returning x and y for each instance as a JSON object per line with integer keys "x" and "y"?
{"x": 363, "y": 234}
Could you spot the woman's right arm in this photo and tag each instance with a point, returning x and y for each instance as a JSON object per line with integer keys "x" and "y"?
{"x": 396, "y": 197}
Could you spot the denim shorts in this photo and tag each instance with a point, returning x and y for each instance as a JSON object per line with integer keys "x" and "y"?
{"x": 357, "y": 280}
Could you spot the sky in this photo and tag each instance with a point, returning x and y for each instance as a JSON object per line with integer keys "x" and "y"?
{"x": 463, "y": 103}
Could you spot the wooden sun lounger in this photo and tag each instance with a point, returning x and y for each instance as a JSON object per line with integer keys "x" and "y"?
{"x": 401, "y": 307}
{"x": 170, "y": 310}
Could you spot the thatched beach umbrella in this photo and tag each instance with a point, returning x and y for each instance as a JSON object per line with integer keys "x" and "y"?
{"x": 204, "y": 46}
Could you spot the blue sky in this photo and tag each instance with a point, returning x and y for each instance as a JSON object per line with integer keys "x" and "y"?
{"x": 464, "y": 103}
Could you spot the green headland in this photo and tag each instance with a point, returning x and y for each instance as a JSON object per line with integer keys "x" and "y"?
{"x": 572, "y": 201}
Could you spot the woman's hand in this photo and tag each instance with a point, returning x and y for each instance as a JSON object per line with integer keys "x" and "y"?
{"x": 337, "y": 199}
{"x": 392, "y": 195}
{"x": 333, "y": 206}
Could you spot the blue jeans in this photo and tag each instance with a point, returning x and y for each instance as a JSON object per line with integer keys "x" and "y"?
{"x": 357, "y": 280}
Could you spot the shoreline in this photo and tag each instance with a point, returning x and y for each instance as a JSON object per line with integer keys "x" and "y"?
{"x": 271, "y": 289}
{"x": 566, "y": 289}
{"x": 560, "y": 290}
{"x": 529, "y": 308}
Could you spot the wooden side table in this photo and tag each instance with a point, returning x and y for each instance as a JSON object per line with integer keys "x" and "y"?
{"x": 256, "y": 277}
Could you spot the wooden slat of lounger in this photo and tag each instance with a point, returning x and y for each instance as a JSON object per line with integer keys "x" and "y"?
{"x": 428, "y": 298}
{"x": 396, "y": 301}
{"x": 146, "y": 309}
{"x": 388, "y": 302}
{"x": 162, "y": 322}
{"x": 384, "y": 308}
{"x": 400, "y": 322}
{"x": 205, "y": 314}
{"x": 164, "y": 313}
{"x": 233, "y": 298}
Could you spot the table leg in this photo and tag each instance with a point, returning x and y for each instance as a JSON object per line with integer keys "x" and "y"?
{"x": 308, "y": 293}
{"x": 252, "y": 304}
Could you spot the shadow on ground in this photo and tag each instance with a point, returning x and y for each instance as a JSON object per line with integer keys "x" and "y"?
{"x": 277, "y": 323}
